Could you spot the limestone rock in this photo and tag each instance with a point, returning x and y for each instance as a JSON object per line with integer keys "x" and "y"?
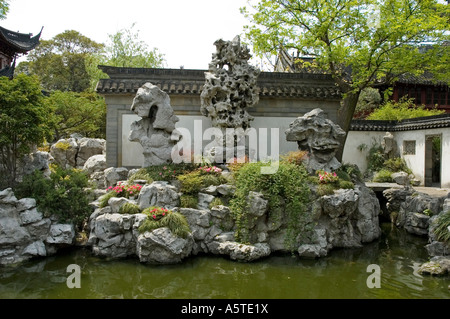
{"x": 437, "y": 266}
{"x": 114, "y": 175}
{"x": 88, "y": 147}
{"x": 160, "y": 194}
{"x": 229, "y": 91}
{"x": 25, "y": 233}
{"x": 230, "y": 87}
{"x": 204, "y": 200}
{"x": 154, "y": 130}
{"x": 65, "y": 151}
{"x": 162, "y": 247}
{"x": 61, "y": 234}
{"x": 320, "y": 137}
{"x": 243, "y": 252}
{"x": 401, "y": 178}
{"x": 96, "y": 163}
{"x": 317, "y": 248}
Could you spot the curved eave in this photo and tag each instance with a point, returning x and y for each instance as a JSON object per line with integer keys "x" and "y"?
{"x": 20, "y": 42}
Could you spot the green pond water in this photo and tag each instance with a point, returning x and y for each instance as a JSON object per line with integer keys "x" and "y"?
{"x": 342, "y": 274}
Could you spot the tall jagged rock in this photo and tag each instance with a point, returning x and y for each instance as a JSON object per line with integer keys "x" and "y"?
{"x": 320, "y": 137}
{"x": 230, "y": 89}
{"x": 154, "y": 130}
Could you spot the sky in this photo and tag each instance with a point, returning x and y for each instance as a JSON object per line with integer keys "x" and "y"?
{"x": 183, "y": 30}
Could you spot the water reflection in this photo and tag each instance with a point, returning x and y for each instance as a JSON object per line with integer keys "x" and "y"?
{"x": 342, "y": 274}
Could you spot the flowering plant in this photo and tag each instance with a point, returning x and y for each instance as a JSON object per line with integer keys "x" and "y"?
{"x": 125, "y": 190}
{"x": 167, "y": 174}
{"x": 210, "y": 170}
{"x": 326, "y": 178}
{"x": 156, "y": 213}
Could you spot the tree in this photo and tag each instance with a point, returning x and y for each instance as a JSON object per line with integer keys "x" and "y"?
{"x": 126, "y": 49}
{"x": 403, "y": 109}
{"x": 361, "y": 44}
{"x": 62, "y": 62}
{"x": 83, "y": 113}
{"x": 4, "y": 8}
{"x": 24, "y": 122}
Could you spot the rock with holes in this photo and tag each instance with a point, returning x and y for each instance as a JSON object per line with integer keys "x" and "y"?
{"x": 155, "y": 131}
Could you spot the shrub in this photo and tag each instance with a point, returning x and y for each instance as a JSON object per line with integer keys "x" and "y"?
{"x": 158, "y": 217}
{"x": 168, "y": 172}
{"x": 295, "y": 157}
{"x": 375, "y": 158}
{"x": 141, "y": 174}
{"x": 383, "y": 176}
{"x": 103, "y": 200}
{"x": 215, "y": 202}
{"x": 325, "y": 189}
{"x": 397, "y": 164}
{"x": 404, "y": 109}
{"x": 193, "y": 182}
{"x": 189, "y": 201}
{"x": 289, "y": 183}
{"x": 442, "y": 229}
{"x": 129, "y": 208}
{"x": 64, "y": 194}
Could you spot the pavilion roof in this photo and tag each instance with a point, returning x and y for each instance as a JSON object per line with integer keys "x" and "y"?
{"x": 18, "y": 42}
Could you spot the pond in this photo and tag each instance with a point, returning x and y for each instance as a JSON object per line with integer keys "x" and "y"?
{"x": 342, "y": 274}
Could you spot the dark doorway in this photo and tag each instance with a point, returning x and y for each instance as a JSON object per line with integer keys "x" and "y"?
{"x": 433, "y": 146}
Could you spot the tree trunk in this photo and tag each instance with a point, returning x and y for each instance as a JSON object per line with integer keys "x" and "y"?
{"x": 345, "y": 116}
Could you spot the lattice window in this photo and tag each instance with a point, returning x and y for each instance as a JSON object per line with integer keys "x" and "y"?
{"x": 409, "y": 147}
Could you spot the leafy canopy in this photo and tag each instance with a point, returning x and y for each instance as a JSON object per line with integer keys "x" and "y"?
{"x": 4, "y": 8}
{"x": 24, "y": 121}
{"x": 404, "y": 109}
{"x": 83, "y": 113}
{"x": 126, "y": 49}
{"x": 62, "y": 62}
{"x": 361, "y": 43}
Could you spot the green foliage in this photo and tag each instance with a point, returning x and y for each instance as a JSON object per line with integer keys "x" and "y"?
{"x": 158, "y": 217}
{"x": 397, "y": 164}
{"x": 126, "y": 49}
{"x": 375, "y": 38}
{"x": 295, "y": 157}
{"x": 329, "y": 182}
{"x": 375, "y": 158}
{"x": 189, "y": 201}
{"x": 404, "y": 109}
{"x": 60, "y": 63}
{"x": 383, "y": 176}
{"x": 63, "y": 195}
{"x": 129, "y": 208}
{"x": 167, "y": 172}
{"x": 382, "y": 167}
{"x": 288, "y": 183}
{"x": 442, "y": 230}
{"x": 83, "y": 113}
{"x": 194, "y": 181}
{"x": 325, "y": 189}
{"x": 103, "y": 200}
{"x": 215, "y": 202}
{"x": 349, "y": 172}
{"x": 4, "y": 8}
{"x": 368, "y": 100}
{"x": 141, "y": 174}
{"x": 24, "y": 122}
